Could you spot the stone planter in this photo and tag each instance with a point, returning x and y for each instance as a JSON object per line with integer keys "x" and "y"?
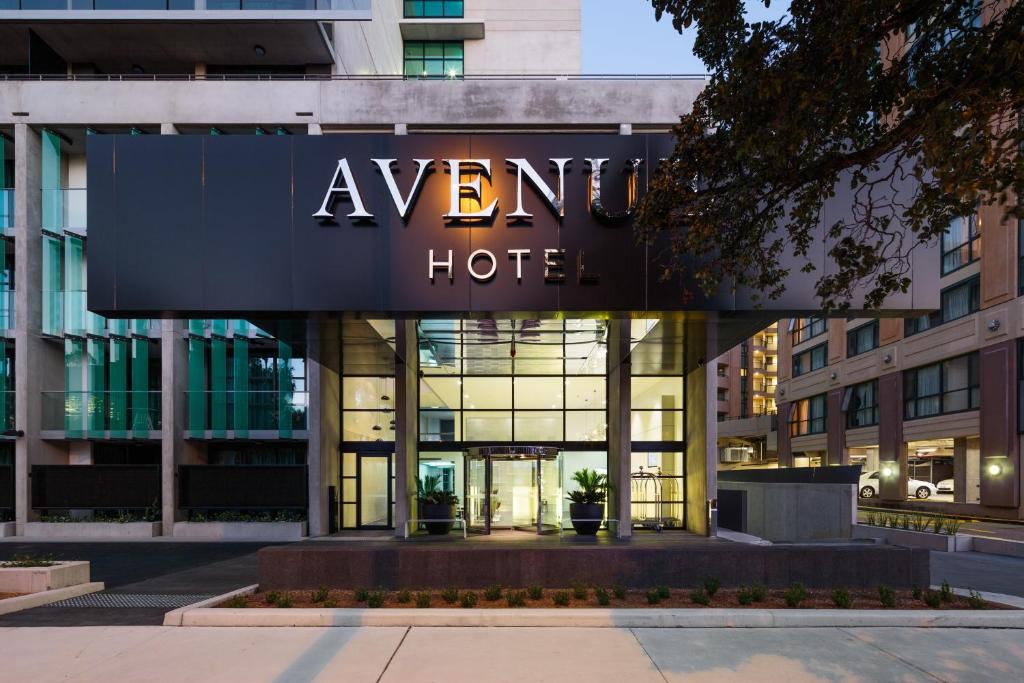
{"x": 241, "y": 531}
{"x": 113, "y": 530}
{"x": 586, "y": 517}
{"x": 8, "y": 529}
{"x": 432, "y": 511}
{"x": 915, "y": 539}
{"x": 38, "y": 579}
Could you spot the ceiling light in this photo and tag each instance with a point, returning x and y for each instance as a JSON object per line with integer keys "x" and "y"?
{"x": 259, "y": 50}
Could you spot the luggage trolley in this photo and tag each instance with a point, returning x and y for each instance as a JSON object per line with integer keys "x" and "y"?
{"x": 646, "y": 489}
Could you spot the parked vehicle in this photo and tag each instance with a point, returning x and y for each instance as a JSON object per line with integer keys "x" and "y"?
{"x": 915, "y": 487}
{"x": 945, "y": 486}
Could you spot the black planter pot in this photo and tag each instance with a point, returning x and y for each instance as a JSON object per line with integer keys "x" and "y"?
{"x": 433, "y": 511}
{"x": 580, "y": 511}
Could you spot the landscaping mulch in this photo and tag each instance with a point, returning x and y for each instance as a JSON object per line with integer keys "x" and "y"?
{"x": 4, "y": 596}
{"x": 678, "y": 598}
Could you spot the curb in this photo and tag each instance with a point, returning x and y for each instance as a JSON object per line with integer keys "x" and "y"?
{"x": 23, "y": 602}
{"x": 174, "y": 617}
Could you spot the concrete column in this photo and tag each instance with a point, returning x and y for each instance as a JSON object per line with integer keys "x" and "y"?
{"x": 784, "y": 442}
{"x": 837, "y": 453}
{"x": 620, "y": 504}
{"x": 168, "y": 129}
{"x": 625, "y": 129}
{"x": 38, "y": 365}
{"x": 401, "y": 129}
{"x": 175, "y": 449}
{"x": 960, "y": 470}
{"x": 314, "y": 129}
{"x": 324, "y": 419}
{"x": 406, "y": 422}
{"x": 1000, "y": 445}
{"x": 891, "y": 448}
{"x": 701, "y": 449}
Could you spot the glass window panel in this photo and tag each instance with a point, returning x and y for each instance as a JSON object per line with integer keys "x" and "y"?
{"x": 454, "y": 51}
{"x": 348, "y": 464}
{"x": 658, "y": 393}
{"x": 538, "y": 392}
{"x": 538, "y": 425}
{"x": 413, "y": 67}
{"x": 433, "y": 50}
{"x": 433, "y": 8}
{"x": 538, "y": 366}
{"x": 348, "y": 489}
{"x": 586, "y": 425}
{"x": 452, "y": 68}
{"x": 480, "y": 393}
{"x": 487, "y": 426}
{"x": 440, "y": 425}
{"x": 366, "y": 393}
{"x": 413, "y": 50}
{"x": 585, "y": 392}
{"x": 359, "y": 426}
{"x": 439, "y": 392}
{"x": 433, "y": 68}
{"x": 656, "y": 425}
{"x": 348, "y": 516}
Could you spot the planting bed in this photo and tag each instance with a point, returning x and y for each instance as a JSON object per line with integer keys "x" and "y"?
{"x": 633, "y": 599}
{"x": 4, "y": 596}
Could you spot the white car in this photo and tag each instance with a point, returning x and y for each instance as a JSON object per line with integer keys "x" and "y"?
{"x": 915, "y": 487}
{"x": 945, "y": 486}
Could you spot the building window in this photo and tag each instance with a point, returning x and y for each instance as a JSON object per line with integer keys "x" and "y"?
{"x": 947, "y": 387}
{"x": 808, "y": 416}
{"x": 811, "y": 359}
{"x": 1020, "y": 385}
{"x": 723, "y": 394}
{"x": 1020, "y": 256}
{"x": 961, "y": 299}
{"x": 961, "y": 243}
{"x": 802, "y": 329}
{"x": 862, "y": 339}
{"x": 431, "y": 9}
{"x": 912, "y": 326}
{"x": 860, "y": 403}
{"x": 434, "y": 59}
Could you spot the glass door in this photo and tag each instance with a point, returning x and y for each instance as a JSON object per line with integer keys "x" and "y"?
{"x": 367, "y": 490}
{"x": 476, "y": 494}
{"x": 550, "y": 495}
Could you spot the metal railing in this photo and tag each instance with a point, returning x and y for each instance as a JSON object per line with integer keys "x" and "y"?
{"x": 96, "y": 413}
{"x": 6, "y": 208}
{"x": 7, "y": 311}
{"x": 231, "y": 410}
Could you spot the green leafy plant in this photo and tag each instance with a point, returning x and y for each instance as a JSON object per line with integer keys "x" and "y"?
{"x": 535, "y": 591}
{"x": 330, "y": 604}
{"x": 236, "y": 602}
{"x": 319, "y": 595}
{"x": 841, "y": 598}
{"x": 953, "y": 525}
{"x": 916, "y": 593}
{"x": 975, "y": 600}
{"x": 468, "y": 599}
{"x": 450, "y": 595}
{"x": 663, "y": 592}
{"x": 933, "y": 599}
{"x": 361, "y": 595}
{"x": 945, "y": 592}
{"x": 423, "y": 600}
{"x": 904, "y": 522}
{"x": 602, "y": 596}
{"x": 795, "y": 595}
{"x": 492, "y": 593}
{"x": 403, "y": 597}
{"x": 430, "y": 492}
{"x": 758, "y": 592}
{"x": 561, "y": 598}
{"x": 28, "y": 561}
{"x": 920, "y": 522}
{"x": 580, "y": 590}
{"x": 619, "y": 592}
{"x": 516, "y": 598}
{"x": 939, "y": 525}
{"x": 375, "y": 599}
{"x": 700, "y": 597}
{"x": 711, "y": 585}
{"x": 593, "y": 487}
{"x": 653, "y": 598}
{"x": 272, "y": 597}
{"x": 744, "y": 597}
{"x": 886, "y": 596}
{"x": 871, "y": 518}
{"x": 285, "y": 601}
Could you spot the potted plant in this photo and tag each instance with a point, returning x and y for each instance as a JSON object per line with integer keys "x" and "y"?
{"x": 435, "y": 504}
{"x": 587, "y": 508}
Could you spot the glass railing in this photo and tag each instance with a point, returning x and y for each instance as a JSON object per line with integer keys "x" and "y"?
{"x": 242, "y": 411}
{"x": 65, "y": 209}
{"x": 222, "y": 327}
{"x": 7, "y": 317}
{"x": 7, "y": 411}
{"x": 165, "y": 5}
{"x": 6, "y": 209}
{"x": 102, "y": 413}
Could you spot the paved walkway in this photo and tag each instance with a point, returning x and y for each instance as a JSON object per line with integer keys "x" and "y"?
{"x": 451, "y": 655}
{"x": 992, "y": 573}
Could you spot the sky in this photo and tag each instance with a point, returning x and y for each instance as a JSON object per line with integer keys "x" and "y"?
{"x": 622, "y": 37}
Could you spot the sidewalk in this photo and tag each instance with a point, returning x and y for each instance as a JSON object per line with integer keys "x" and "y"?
{"x": 485, "y": 655}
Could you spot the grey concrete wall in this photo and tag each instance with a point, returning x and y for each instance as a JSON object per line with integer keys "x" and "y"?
{"x": 619, "y": 426}
{"x": 370, "y": 47}
{"x": 797, "y": 512}
{"x": 525, "y": 37}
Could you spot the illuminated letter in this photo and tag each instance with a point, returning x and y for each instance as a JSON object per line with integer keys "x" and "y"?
{"x": 403, "y": 205}
{"x": 481, "y": 253}
{"x": 554, "y": 265}
{"x": 594, "y": 198}
{"x": 473, "y": 186}
{"x": 555, "y": 201}
{"x": 349, "y": 188}
{"x": 518, "y": 253}
{"x": 434, "y": 265}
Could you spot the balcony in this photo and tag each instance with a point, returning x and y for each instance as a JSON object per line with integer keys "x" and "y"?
{"x": 244, "y": 414}
{"x": 7, "y": 317}
{"x": 65, "y": 209}
{"x": 6, "y": 209}
{"x": 7, "y": 405}
{"x": 101, "y": 414}
{"x": 122, "y": 10}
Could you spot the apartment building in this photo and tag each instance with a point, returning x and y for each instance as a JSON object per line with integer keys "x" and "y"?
{"x": 747, "y": 379}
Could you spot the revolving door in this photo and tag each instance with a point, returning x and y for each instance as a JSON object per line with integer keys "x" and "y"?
{"x": 513, "y": 487}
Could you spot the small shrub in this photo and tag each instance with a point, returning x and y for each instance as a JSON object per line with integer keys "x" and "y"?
{"x": 319, "y": 595}
{"x": 919, "y": 522}
{"x": 795, "y": 595}
{"x": 450, "y": 595}
{"x": 744, "y": 597}
{"x": 916, "y": 592}
{"x": 492, "y": 593}
{"x": 535, "y": 592}
{"x": 23, "y": 561}
{"x": 330, "y": 604}
{"x": 285, "y": 601}
{"x": 619, "y": 592}
{"x": 700, "y": 597}
{"x": 272, "y": 597}
{"x": 886, "y": 596}
{"x": 403, "y": 597}
{"x": 236, "y": 602}
{"x": 945, "y": 592}
{"x": 375, "y": 599}
{"x": 653, "y": 598}
{"x": 516, "y": 598}
{"x": 975, "y": 600}
{"x": 663, "y": 592}
{"x": 953, "y": 526}
{"x": 933, "y": 599}
{"x": 561, "y": 598}
{"x": 939, "y": 525}
{"x": 904, "y": 522}
{"x": 602, "y": 596}
{"x": 361, "y": 595}
{"x": 580, "y": 590}
{"x": 758, "y": 592}
{"x": 423, "y": 600}
{"x": 871, "y": 519}
{"x": 711, "y": 585}
{"x": 841, "y": 598}
{"x": 468, "y": 600}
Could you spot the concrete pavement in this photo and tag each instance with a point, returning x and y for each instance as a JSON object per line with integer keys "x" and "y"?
{"x": 145, "y": 654}
{"x": 994, "y": 573}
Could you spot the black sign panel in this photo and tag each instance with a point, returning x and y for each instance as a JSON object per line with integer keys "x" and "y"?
{"x": 192, "y": 225}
